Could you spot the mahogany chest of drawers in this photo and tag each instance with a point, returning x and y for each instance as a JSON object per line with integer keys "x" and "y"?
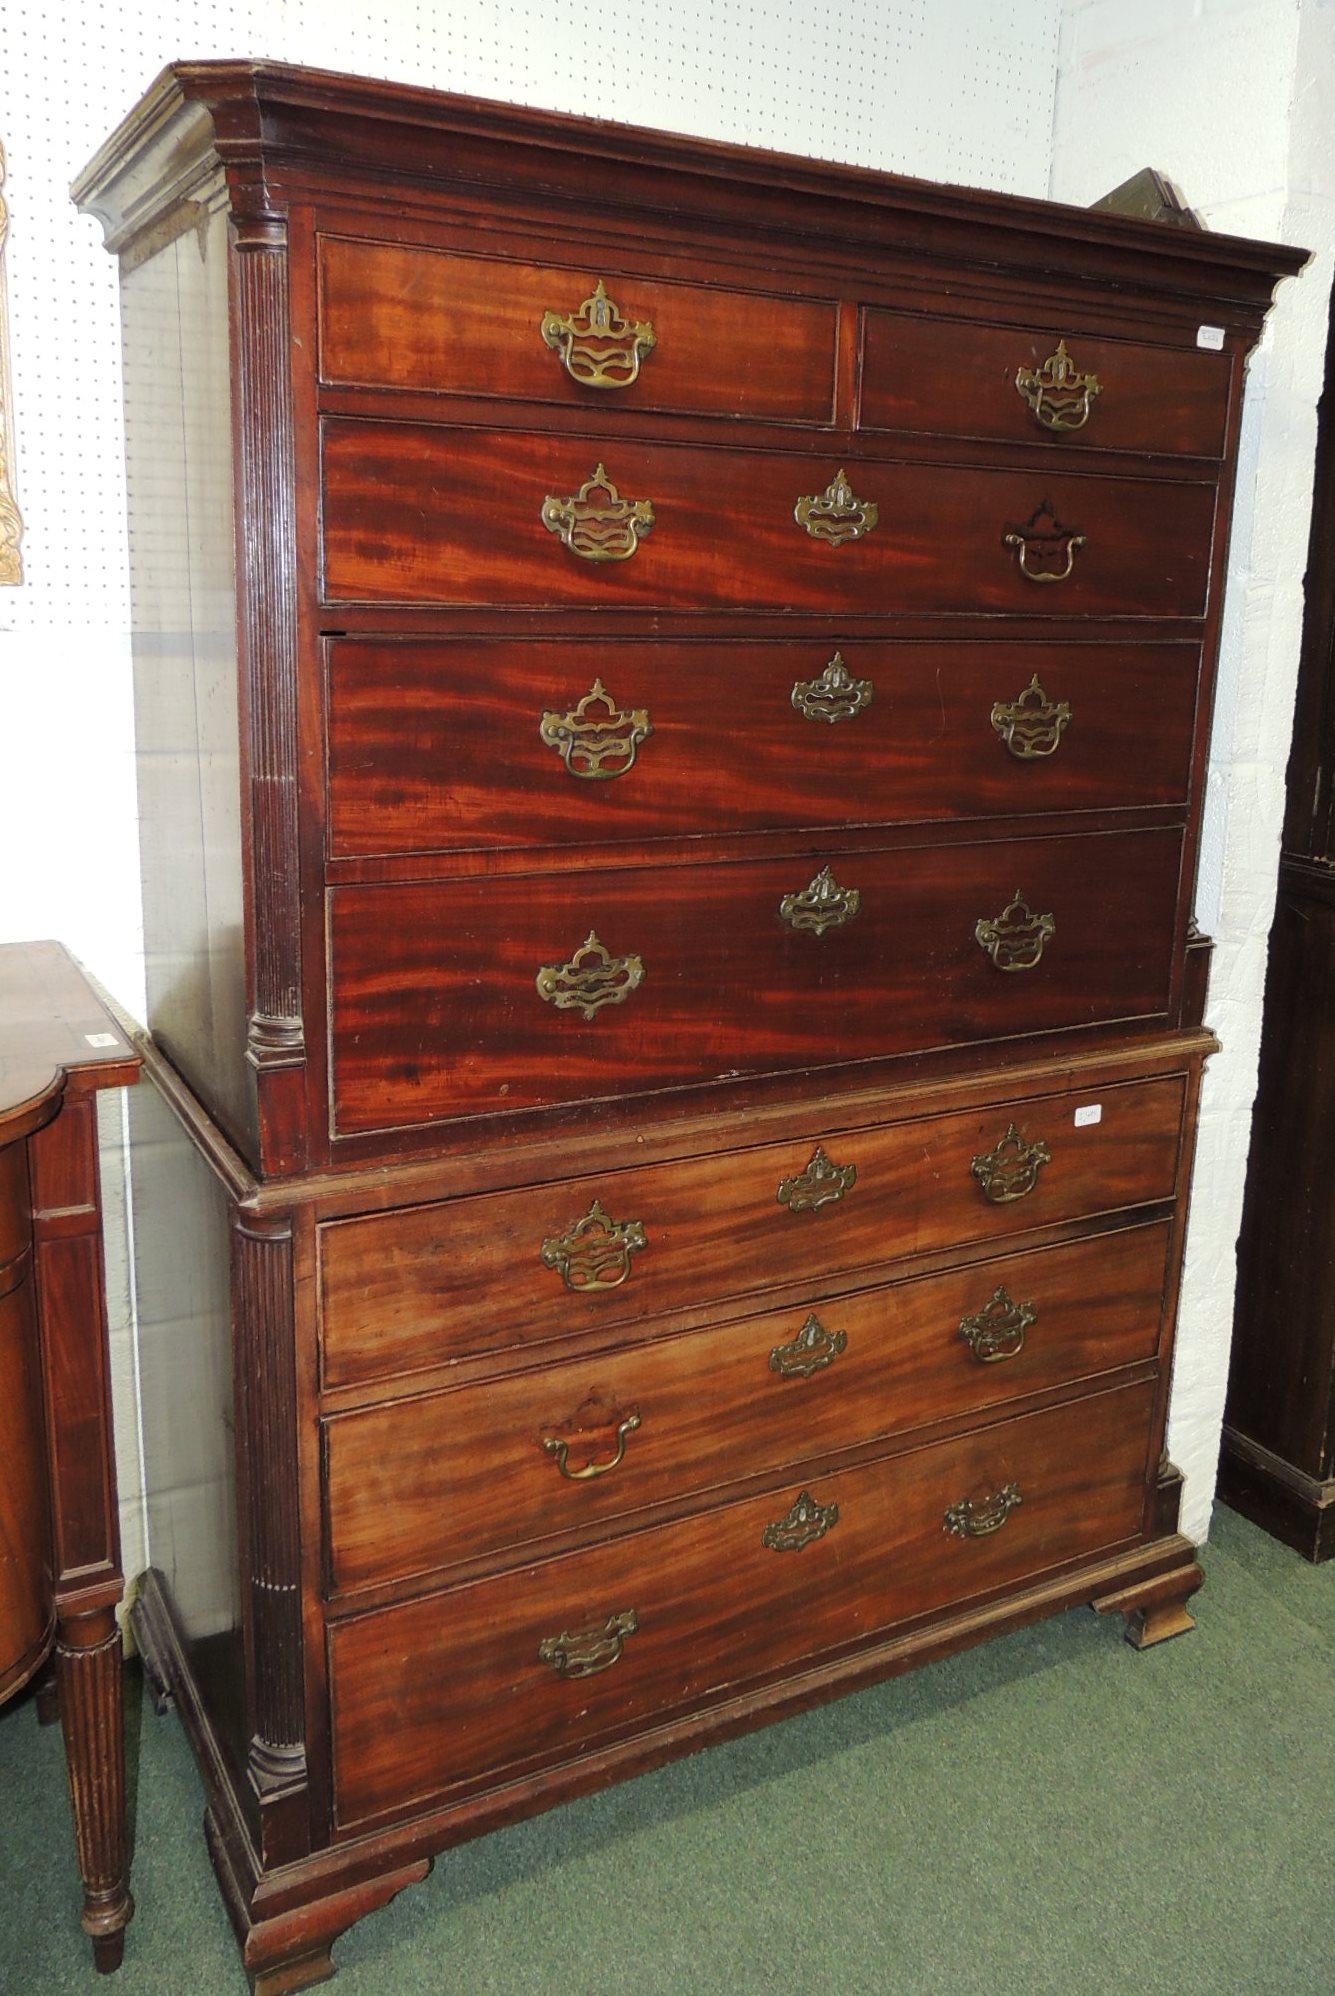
{"x": 673, "y": 686}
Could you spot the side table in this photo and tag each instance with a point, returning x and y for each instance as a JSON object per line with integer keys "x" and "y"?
{"x": 60, "y": 1570}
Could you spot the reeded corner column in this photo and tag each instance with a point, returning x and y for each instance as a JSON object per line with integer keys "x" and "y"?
{"x": 267, "y": 568}
{"x": 267, "y": 1437}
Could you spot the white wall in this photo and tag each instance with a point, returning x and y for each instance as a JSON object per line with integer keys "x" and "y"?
{"x": 1231, "y": 98}
{"x": 963, "y": 90}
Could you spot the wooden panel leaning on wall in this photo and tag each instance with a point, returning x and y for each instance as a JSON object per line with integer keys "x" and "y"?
{"x": 701, "y": 1088}
{"x": 60, "y": 1568}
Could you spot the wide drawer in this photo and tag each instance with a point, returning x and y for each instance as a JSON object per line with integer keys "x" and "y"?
{"x": 395, "y": 315}
{"x": 944, "y": 376}
{"x": 423, "y": 1285}
{"x": 420, "y": 513}
{"x": 446, "y": 1479}
{"x": 447, "y": 744}
{"x": 464, "y": 1688}
{"x": 461, "y": 997}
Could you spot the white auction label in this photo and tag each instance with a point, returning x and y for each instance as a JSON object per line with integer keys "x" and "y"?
{"x": 102, "y": 1039}
{"x": 1088, "y": 1112}
{"x": 1211, "y": 338}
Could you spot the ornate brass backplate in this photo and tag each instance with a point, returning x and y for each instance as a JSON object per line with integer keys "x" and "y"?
{"x": 822, "y": 904}
{"x": 596, "y": 523}
{"x": 597, "y": 347}
{"x": 978, "y": 1518}
{"x": 820, "y": 1184}
{"x": 1031, "y": 725}
{"x": 1044, "y": 548}
{"x": 557, "y": 1446}
{"x": 836, "y": 515}
{"x": 594, "y": 744}
{"x": 835, "y": 696}
{"x": 590, "y": 1650}
{"x": 1015, "y": 939}
{"x": 810, "y": 1351}
{"x": 1011, "y": 1170}
{"x": 592, "y": 978}
{"x": 996, "y": 1332}
{"x": 1059, "y": 395}
{"x": 594, "y": 1253}
{"x": 806, "y": 1522}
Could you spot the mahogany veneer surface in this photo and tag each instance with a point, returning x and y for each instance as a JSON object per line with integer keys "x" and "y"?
{"x": 560, "y": 1330}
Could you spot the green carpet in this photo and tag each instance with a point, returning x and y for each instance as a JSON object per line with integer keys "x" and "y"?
{"x": 1048, "y": 1813}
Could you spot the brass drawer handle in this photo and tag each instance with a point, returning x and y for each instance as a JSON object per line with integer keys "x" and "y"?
{"x": 970, "y": 1520}
{"x": 596, "y": 523}
{"x": 587, "y": 742}
{"x": 996, "y": 1332}
{"x": 594, "y": 1253}
{"x": 554, "y": 1445}
{"x": 810, "y": 1351}
{"x": 822, "y": 904}
{"x": 596, "y": 345}
{"x": 819, "y": 1184}
{"x": 1011, "y": 1170}
{"x": 1031, "y": 725}
{"x": 1058, "y": 394}
{"x": 836, "y": 515}
{"x": 1045, "y": 549}
{"x": 590, "y": 1650}
{"x": 835, "y": 696}
{"x": 592, "y": 978}
{"x": 806, "y": 1522}
{"x": 1015, "y": 939}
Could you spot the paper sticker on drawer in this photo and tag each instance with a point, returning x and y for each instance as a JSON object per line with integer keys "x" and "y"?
{"x": 1088, "y": 1112}
{"x": 1211, "y": 338}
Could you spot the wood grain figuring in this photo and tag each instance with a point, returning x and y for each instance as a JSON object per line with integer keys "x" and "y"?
{"x": 266, "y": 507}
{"x": 942, "y": 376}
{"x": 398, "y": 317}
{"x": 711, "y": 1400}
{"x": 411, "y": 1288}
{"x": 435, "y": 745}
{"x": 436, "y": 1012}
{"x": 415, "y": 513}
{"x": 449, "y": 1691}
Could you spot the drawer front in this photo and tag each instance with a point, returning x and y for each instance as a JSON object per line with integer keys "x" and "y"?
{"x": 459, "y": 998}
{"x": 440, "y": 745}
{"x": 456, "y": 1691}
{"x": 415, "y": 513}
{"x": 427, "y": 1284}
{"x": 395, "y": 316}
{"x": 945, "y": 377}
{"x": 467, "y": 1474}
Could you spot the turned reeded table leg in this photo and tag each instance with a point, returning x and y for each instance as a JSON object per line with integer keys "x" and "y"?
{"x": 90, "y": 1671}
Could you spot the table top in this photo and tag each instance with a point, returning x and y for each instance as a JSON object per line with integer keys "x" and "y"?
{"x": 55, "y": 1033}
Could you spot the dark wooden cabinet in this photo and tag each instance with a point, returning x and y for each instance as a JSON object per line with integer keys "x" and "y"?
{"x": 1278, "y": 1459}
{"x": 60, "y": 1561}
{"x": 672, "y": 740}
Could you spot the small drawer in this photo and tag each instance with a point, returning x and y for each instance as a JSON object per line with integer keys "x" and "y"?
{"x": 468, "y": 1474}
{"x": 949, "y": 377}
{"x": 419, "y": 513}
{"x": 447, "y": 744}
{"x": 420, "y": 1286}
{"x": 398, "y": 316}
{"x": 467, "y": 1688}
{"x": 491, "y": 994}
